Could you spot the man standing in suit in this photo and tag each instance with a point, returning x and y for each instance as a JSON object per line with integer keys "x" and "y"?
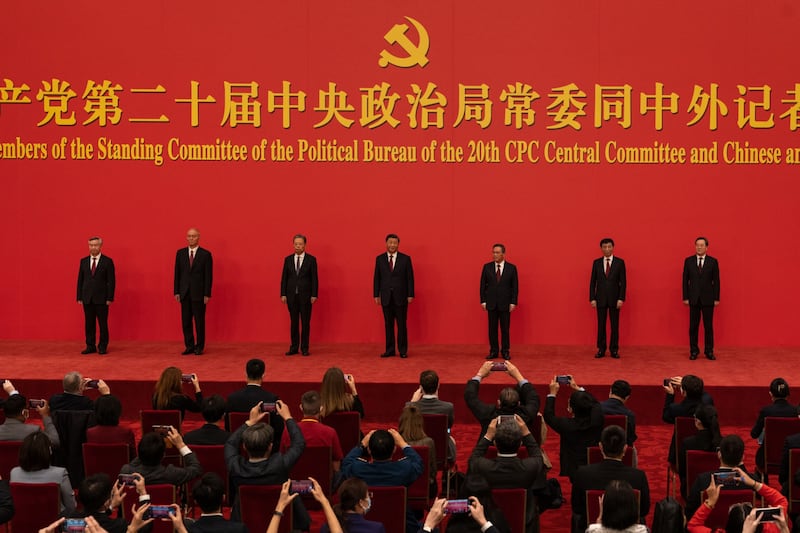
{"x": 193, "y": 273}
{"x": 701, "y": 294}
{"x": 393, "y": 290}
{"x": 96, "y": 283}
{"x": 499, "y": 290}
{"x": 299, "y": 287}
{"x": 606, "y": 294}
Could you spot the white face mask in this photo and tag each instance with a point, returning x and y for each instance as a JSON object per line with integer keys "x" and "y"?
{"x": 368, "y": 506}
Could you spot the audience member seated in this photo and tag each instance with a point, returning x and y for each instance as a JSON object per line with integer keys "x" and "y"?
{"x": 72, "y": 399}
{"x": 354, "y": 502}
{"x": 242, "y": 400}
{"x": 151, "y": 452}
{"x": 521, "y": 400}
{"x": 478, "y": 491}
{"x": 338, "y": 393}
{"x": 16, "y": 410}
{"x": 706, "y": 439}
{"x": 315, "y": 432}
{"x": 100, "y": 497}
{"x": 208, "y": 493}
{"x": 34, "y": 467}
{"x": 792, "y": 441}
{"x": 411, "y": 429}
{"x": 107, "y": 410}
{"x": 332, "y": 522}
{"x": 210, "y": 433}
{"x": 741, "y": 514}
{"x": 260, "y": 467}
{"x": 691, "y": 388}
{"x": 615, "y": 405}
{"x": 507, "y": 470}
{"x": 580, "y": 431}
{"x": 437, "y": 512}
{"x": 618, "y": 511}
{"x": 779, "y": 408}
{"x": 426, "y": 398}
{"x": 731, "y": 453}
{"x": 169, "y": 392}
{"x": 597, "y": 477}
{"x": 6, "y": 503}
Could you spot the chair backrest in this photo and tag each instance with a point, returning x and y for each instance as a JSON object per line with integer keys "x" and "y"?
{"x": 234, "y": 420}
{"x": 9, "y": 456}
{"x": 616, "y": 420}
{"x": 684, "y": 427}
{"x": 594, "y": 455}
{"x": 513, "y": 503}
{"x": 775, "y": 432}
{"x": 347, "y": 425}
{"x": 435, "y": 426}
{"x": 535, "y": 427}
{"x": 719, "y": 515}
{"x": 389, "y": 508}
{"x": 35, "y": 505}
{"x": 106, "y": 458}
{"x": 794, "y": 487}
{"x": 158, "y": 417}
{"x": 698, "y": 462}
{"x": 491, "y": 452}
{"x": 418, "y": 494}
{"x": 256, "y": 503}
{"x": 212, "y": 457}
{"x": 593, "y": 503}
{"x": 71, "y": 427}
{"x": 316, "y": 462}
{"x": 160, "y": 494}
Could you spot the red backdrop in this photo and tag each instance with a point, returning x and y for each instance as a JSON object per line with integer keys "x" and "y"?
{"x": 550, "y": 215}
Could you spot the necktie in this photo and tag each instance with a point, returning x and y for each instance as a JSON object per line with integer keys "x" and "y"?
{"x": 608, "y": 265}
{"x": 191, "y": 258}
{"x": 499, "y": 274}
{"x": 94, "y": 265}
{"x": 297, "y": 268}
{"x": 391, "y": 263}
{"x": 700, "y": 265}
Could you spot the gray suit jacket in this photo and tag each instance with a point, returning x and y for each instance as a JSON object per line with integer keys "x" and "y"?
{"x": 13, "y": 429}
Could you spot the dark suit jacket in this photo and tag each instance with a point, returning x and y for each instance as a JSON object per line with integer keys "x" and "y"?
{"x": 499, "y": 295}
{"x": 577, "y": 434}
{"x": 612, "y": 406}
{"x": 242, "y": 400}
{"x": 208, "y": 434}
{"x": 396, "y": 286}
{"x": 97, "y": 289}
{"x": 304, "y": 281}
{"x": 6, "y": 503}
{"x": 215, "y": 524}
{"x": 170, "y": 474}
{"x": 484, "y": 412}
{"x": 194, "y": 282}
{"x": 701, "y": 289}
{"x": 780, "y": 408}
{"x": 607, "y": 290}
{"x": 597, "y": 476}
{"x": 792, "y": 441}
{"x": 683, "y": 409}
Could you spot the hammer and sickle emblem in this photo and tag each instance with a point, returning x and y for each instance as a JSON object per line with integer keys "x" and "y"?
{"x": 416, "y": 53}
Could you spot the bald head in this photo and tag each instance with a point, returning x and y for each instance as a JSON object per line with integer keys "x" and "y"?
{"x": 192, "y": 237}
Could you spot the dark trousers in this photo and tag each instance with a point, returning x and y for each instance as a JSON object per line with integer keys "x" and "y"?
{"x": 96, "y": 314}
{"x": 707, "y": 312}
{"x": 503, "y": 319}
{"x": 613, "y": 316}
{"x": 299, "y": 312}
{"x": 193, "y": 309}
{"x": 396, "y": 313}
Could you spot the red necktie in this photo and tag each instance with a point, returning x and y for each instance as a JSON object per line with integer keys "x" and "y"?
{"x": 191, "y": 258}
{"x": 499, "y": 274}
{"x": 391, "y": 264}
{"x": 608, "y": 265}
{"x": 94, "y": 265}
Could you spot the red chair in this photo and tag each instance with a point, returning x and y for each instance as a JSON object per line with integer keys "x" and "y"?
{"x": 106, "y": 458}
{"x": 593, "y": 503}
{"x": 347, "y": 425}
{"x": 514, "y": 504}
{"x": 684, "y": 427}
{"x": 9, "y": 456}
{"x": 234, "y": 420}
{"x": 775, "y": 432}
{"x": 418, "y": 494}
{"x": 616, "y": 420}
{"x": 161, "y": 494}
{"x": 316, "y": 462}
{"x": 594, "y": 455}
{"x": 35, "y": 505}
{"x": 256, "y": 503}
{"x": 435, "y": 426}
{"x": 212, "y": 457}
{"x": 698, "y": 462}
{"x": 719, "y": 515}
{"x": 389, "y": 508}
{"x": 794, "y": 487}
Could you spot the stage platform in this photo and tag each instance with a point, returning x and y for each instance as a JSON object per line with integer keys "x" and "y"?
{"x": 738, "y": 380}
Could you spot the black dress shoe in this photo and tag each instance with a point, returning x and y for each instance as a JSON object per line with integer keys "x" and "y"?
{"x": 291, "y": 351}
{"x": 710, "y": 356}
{"x": 88, "y": 350}
{"x": 305, "y": 352}
{"x": 102, "y": 351}
{"x": 188, "y": 351}
{"x": 506, "y": 357}
{"x": 198, "y": 351}
{"x": 615, "y": 355}
{"x": 492, "y": 356}
{"x": 387, "y": 354}
{"x": 599, "y": 354}
{"x": 403, "y": 356}
{"x": 693, "y": 356}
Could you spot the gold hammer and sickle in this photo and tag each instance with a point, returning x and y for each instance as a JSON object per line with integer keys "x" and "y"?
{"x": 416, "y": 53}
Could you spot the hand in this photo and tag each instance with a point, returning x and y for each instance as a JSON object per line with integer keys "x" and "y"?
{"x": 108, "y": 302}
{"x": 103, "y": 388}
{"x": 44, "y": 410}
{"x": 686, "y": 302}
{"x": 417, "y": 396}
{"x": 619, "y": 304}
{"x": 513, "y": 371}
{"x": 523, "y": 426}
{"x": 485, "y": 369}
{"x": 716, "y": 303}
{"x": 138, "y": 482}
{"x": 491, "y": 429}
{"x": 483, "y": 305}
{"x": 175, "y": 438}
{"x": 54, "y": 527}
{"x": 411, "y": 299}
{"x": 377, "y": 301}
{"x": 554, "y": 386}
{"x": 573, "y": 384}
{"x": 351, "y": 382}
{"x": 178, "y": 298}
{"x": 317, "y": 492}
{"x": 196, "y": 383}
{"x": 283, "y": 299}
{"x": 747, "y": 480}
{"x": 117, "y": 494}
{"x": 256, "y": 415}
{"x": 177, "y": 519}
{"x": 365, "y": 440}
{"x": 8, "y": 387}
{"x": 751, "y": 522}
{"x": 600, "y": 514}
{"x": 313, "y": 299}
{"x": 206, "y": 299}
{"x": 436, "y": 513}
{"x": 713, "y": 492}
{"x": 511, "y": 307}
{"x": 138, "y": 521}
{"x": 670, "y": 389}
{"x": 476, "y": 511}
{"x": 593, "y": 303}
{"x": 399, "y": 441}
{"x": 283, "y": 410}
{"x": 285, "y": 497}
{"x": 92, "y": 526}
{"x": 80, "y": 302}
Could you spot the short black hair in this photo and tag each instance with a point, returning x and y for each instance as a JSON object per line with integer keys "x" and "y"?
{"x": 14, "y": 405}
{"x": 35, "y": 452}
{"x": 621, "y": 388}
{"x": 620, "y": 510}
{"x": 94, "y": 491}
{"x": 107, "y": 410}
{"x": 613, "y": 440}
{"x": 208, "y": 492}
{"x": 381, "y": 445}
{"x": 429, "y": 381}
{"x": 392, "y": 236}
{"x": 507, "y": 437}
{"x": 300, "y": 236}
{"x": 509, "y": 398}
{"x": 607, "y": 240}
{"x": 701, "y": 239}
{"x": 692, "y": 386}
{"x": 255, "y": 369}
{"x": 213, "y": 408}
{"x": 779, "y": 388}
{"x": 498, "y": 245}
{"x": 581, "y": 403}
{"x": 151, "y": 449}
{"x": 731, "y": 450}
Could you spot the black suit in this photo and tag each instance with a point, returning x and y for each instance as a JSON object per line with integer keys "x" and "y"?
{"x": 242, "y": 400}
{"x": 95, "y": 290}
{"x": 394, "y": 286}
{"x": 192, "y": 284}
{"x": 701, "y": 290}
{"x": 499, "y": 295}
{"x": 779, "y": 408}
{"x": 606, "y": 290}
{"x": 577, "y": 434}
{"x": 298, "y": 287}
{"x": 207, "y": 435}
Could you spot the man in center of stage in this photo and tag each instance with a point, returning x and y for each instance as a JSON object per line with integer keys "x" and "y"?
{"x": 193, "y": 273}
{"x": 606, "y": 294}
{"x": 499, "y": 291}
{"x": 393, "y": 290}
{"x": 299, "y": 287}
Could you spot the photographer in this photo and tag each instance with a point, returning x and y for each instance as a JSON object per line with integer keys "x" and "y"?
{"x": 16, "y": 409}
{"x": 521, "y": 400}
{"x": 72, "y": 399}
{"x": 151, "y": 452}
{"x": 100, "y": 497}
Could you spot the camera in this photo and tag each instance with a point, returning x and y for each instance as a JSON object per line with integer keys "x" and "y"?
{"x": 162, "y": 430}
{"x": 499, "y": 366}
{"x": 128, "y": 480}
{"x": 187, "y": 378}
{"x": 159, "y": 511}
{"x": 768, "y": 514}
{"x": 300, "y": 486}
{"x": 456, "y": 507}
{"x": 667, "y": 382}
{"x": 563, "y": 379}
{"x": 268, "y": 407}
{"x": 725, "y": 477}
{"x": 35, "y": 404}
{"x": 92, "y": 384}
{"x": 74, "y": 525}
